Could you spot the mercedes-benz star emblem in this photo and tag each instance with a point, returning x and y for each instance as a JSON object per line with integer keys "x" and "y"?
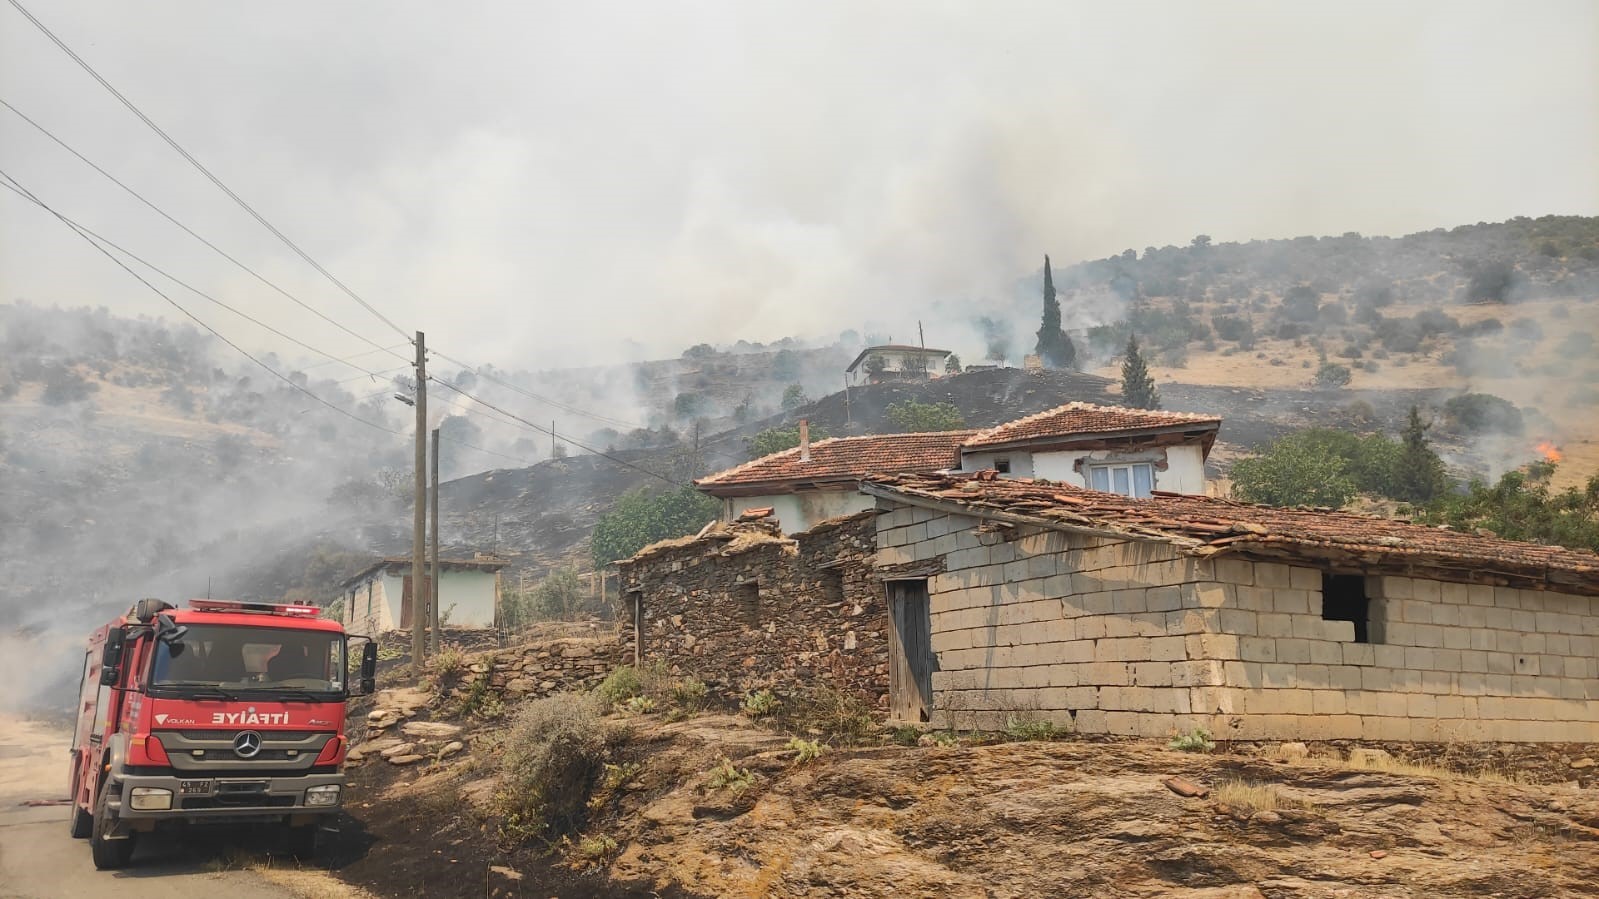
{"x": 247, "y": 744}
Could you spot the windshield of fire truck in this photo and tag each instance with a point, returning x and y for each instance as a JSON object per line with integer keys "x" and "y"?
{"x": 236, "y": 659}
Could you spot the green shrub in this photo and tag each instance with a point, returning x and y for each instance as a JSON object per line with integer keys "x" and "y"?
{"x": 555, "y": 750}
{"x": 449, "y": 660}
{"x": 620, "y": 685}
{"x": 690, "y": 694}
{"x": 1331, "y": 374}
{"x": 596, "y": 847}
{"x": 911, "y": 416}
{"x": 1196, "y": 740}
{"x": 1019, "y": 729}
{"x": 1481, "y": 413}
{"x": 806, "y": 751}
{"x": 725, "y": 776}
{"x": 760, "y": 704}
{"x": 639, "y": 705}
{"x": 906, "y": 734}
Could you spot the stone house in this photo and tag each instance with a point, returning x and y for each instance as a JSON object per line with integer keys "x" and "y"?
{"x": 898, "y": 361}
{"x": 1129, "y": 451}
{"x": 1156, "y": 616}
{"x": 744, "y": 607}
{"x": 378, "y": 598}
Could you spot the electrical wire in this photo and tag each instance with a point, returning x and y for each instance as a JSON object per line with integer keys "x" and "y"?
{"x": 551, "y": 433}
{"x": 192, "y": 233}
{"x": 534, "y": 396}
{"x": 16, "y": 187}
{"x": 205, "y": 171}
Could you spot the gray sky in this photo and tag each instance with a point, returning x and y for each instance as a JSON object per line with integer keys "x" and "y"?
{"x": 543, "y": 184}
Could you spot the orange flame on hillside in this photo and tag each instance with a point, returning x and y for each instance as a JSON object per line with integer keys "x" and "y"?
{"x": 1550, "y": 452}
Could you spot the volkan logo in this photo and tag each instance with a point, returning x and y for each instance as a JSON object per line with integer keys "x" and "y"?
{"x": 161, "y": 718}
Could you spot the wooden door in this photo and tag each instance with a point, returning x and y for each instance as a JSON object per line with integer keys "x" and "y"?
{"x": 911, "y": 660}
{"x": 405, "y": 599}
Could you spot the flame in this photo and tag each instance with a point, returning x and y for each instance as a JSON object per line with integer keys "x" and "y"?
{"x": 1549, "y": 451}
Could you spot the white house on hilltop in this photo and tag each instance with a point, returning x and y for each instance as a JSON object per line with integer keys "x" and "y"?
{"x": 378, "y": 598}
{"x": 898, "y": 361}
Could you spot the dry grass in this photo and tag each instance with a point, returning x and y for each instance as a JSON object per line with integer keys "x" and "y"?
{"x": 1392, "y": 765}
{"x": 1254, "y": 797}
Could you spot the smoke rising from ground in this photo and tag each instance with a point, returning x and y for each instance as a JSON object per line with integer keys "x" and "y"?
{"x": 578, "y": 183}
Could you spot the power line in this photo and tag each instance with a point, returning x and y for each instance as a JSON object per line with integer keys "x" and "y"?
{"x": 174, "y": 279}
{"x": 180, "y": 307}
{"x": 192, "y": 233}
{"x": 16, "y": 187}
{"x": 558, "y": 404}
{"x": 205, "y": 171}
{"x": 534, "y": 396}
{"x": 551, "y": 433}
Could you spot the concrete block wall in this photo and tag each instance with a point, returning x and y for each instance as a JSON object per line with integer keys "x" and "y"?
{"x": 1126, "y": 637}
{"x": 1447, "y": 662}
{"x": 1096, "y": 634}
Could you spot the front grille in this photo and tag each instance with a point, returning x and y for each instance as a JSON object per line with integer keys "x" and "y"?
{"x": 242, "y": 800}
{"x": 226, "y": 736}
{"x": 208, "y": 751}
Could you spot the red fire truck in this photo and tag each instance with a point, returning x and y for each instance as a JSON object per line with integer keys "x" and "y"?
{"x": 224, "y": 712}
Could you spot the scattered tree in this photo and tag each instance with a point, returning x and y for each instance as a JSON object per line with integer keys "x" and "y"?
{"x": 1294, "y": 473}
{"x": 1331, "y": 374}
{"x": 1522, "y": 506}
{"x": 641, "y": 517}
{"x": 911, "y": 416}
{"x": 952, "y": 365}
{"x": 1483, "y": 413}
{"x": 775, "y": 440}
{"x": 794, "y": 397}
{"x": 1490, "y": 282}
{"x": 1138, "y": 387}
{"x": 1418, "y": 473}
{"x": 876, "y": 364}
{"x": 1054, "y": 347}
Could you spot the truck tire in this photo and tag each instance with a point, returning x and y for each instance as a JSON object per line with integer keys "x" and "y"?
{"x": 302, "y": 841}
{"x": 108, "y": 854}
{"x": 82, "y": 822}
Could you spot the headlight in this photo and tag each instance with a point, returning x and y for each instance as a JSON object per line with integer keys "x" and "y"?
{"x": 150, "y": 799}
{"x": 327, "y": 794}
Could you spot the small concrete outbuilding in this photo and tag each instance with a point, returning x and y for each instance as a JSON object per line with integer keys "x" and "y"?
{"x": 1156, "y": 616}
{"x": 378, "y": 598}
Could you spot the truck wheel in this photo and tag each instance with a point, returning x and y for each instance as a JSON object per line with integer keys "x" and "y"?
{"x": 302, "y": 841}
{"x": 108, "y": 854}
{"x": 82, "y": 822}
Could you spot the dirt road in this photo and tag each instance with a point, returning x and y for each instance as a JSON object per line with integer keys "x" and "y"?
{"x": 38, "y": 859}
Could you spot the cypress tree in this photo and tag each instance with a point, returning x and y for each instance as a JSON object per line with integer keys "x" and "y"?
{"x": 1419, "y": 475}
{"x": 1054, "y": 347}
{"x": 1138, "y": 388}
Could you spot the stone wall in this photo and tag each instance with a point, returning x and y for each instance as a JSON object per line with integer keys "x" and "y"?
{"x": 744, "y": 608}
{"x": 1130, "y": 637}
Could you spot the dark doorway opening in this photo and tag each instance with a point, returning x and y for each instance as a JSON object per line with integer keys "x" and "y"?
{"x": 747, "y": 598}
{"x": 1343, "y": 598}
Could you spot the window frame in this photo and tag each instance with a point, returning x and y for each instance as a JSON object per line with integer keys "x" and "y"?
{"x": 1109, "y": 468}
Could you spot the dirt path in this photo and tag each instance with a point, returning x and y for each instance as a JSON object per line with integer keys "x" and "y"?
{"x": 38, "y": 859}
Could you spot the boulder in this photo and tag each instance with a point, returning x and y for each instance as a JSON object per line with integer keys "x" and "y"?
{"x": 451, "y": 748}
{"x": 397, "y": 750}
{"x": 404, "y": 759}
{"x": 1582, "y": 763}
{"x": 429, "y": 730}
{"x": 1293, "y": 751}
{"x": 1369, "y": 758}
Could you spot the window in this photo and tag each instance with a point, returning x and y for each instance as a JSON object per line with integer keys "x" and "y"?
{"x": 1343, "y": 598}
{"x": 1135, "y": 479}
{"x": 1002, "y": 465}
{"x": 747, "y": 598}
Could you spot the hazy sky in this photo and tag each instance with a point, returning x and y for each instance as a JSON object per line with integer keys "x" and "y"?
{"x": 554, "y": 183}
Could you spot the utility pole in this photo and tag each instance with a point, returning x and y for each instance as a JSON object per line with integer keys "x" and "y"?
{"x": 419, "y": 602}
{"x": 433, "y": 588}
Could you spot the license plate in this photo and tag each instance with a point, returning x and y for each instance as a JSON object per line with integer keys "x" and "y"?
{"x": 194, "y": 787}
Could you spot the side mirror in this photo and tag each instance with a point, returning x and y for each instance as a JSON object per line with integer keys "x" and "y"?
{"x": 111, "y": 659}
{"x": 167, "y": 630}
{"x": 369, "y": 667}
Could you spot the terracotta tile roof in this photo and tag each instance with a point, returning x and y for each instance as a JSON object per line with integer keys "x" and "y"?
{"x": 848, "y": 458}
{"x": 1087, "y": 419}
{"x": 1206, "y": 526}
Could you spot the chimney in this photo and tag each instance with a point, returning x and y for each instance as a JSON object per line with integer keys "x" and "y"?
{"x": 805, "y": 440}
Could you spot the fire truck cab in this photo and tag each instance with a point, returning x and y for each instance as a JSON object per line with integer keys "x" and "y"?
{"x": 221, "y": 713}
